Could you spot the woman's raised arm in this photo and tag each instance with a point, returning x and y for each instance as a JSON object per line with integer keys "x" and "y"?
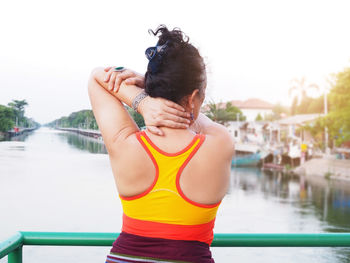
{"x": 112, "y": 118}
{"x": 107, "y": 91}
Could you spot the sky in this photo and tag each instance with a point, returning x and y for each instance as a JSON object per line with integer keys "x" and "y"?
{"x": 253, "y": 49}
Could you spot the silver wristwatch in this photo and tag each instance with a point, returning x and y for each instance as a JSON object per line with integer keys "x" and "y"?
{"x": 135, "y": 103}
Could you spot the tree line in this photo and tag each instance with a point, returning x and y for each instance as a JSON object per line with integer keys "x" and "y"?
{"x": 14, "y": 115}
{"x": 85, "y": 119}
{"x": 337, "y": 120}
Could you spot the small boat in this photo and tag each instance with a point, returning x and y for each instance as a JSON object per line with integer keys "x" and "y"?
{"x": 246, "y": 160}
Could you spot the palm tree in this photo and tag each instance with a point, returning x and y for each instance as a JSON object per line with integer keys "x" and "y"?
{"x": 298, "y": 91}
{"x": 18, "y": 107}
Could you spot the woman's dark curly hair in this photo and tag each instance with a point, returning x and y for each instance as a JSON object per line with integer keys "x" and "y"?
{"x": 177, "y": 70}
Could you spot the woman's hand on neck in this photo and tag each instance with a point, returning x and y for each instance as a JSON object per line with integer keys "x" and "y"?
{"x": 172, "y": 132}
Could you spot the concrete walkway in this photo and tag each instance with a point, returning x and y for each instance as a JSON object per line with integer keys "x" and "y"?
{"x": 326, "y": 167}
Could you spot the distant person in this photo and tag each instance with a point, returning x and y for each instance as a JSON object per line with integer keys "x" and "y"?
{"x": 172, "y": 177}
{"x": 303, "y": 149}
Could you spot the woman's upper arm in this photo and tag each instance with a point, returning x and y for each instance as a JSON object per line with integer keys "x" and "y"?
{"x": 112, "y": 118}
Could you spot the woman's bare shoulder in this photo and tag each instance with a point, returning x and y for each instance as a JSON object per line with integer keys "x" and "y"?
{"x": 209, "y": 170}
{"x": 129, "y": 145}
{"x": 220, "y": 141}
{"x": 216, "y": 135}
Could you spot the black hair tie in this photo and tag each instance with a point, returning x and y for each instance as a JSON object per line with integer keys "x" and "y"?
{"x": 154, "y": 55}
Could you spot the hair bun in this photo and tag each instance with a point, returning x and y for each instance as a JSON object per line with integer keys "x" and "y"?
{"x": 174, "y": 37}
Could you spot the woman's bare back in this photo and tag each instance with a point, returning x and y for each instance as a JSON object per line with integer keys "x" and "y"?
{"x": 204, "y": 179}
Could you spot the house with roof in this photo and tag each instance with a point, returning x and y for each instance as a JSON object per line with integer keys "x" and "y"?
{"x": 291, "y": 124}
{"x": 251, "y": 108}
{"x": 258, "y": 132}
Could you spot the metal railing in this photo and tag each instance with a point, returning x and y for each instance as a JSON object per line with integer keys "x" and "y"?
{"x": 13, "y": 246}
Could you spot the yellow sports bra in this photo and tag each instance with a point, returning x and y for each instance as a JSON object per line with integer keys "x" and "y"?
{"x": 163, "y": 210}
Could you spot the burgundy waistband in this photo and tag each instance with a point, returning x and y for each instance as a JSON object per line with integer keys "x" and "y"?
{"x": 159, "y": 248}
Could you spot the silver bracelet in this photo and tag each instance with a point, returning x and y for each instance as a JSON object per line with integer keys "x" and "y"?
{"x": 135, "y": 103}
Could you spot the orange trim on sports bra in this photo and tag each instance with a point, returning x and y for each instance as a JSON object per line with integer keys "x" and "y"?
{"x": 143, "y": 133}
{"x": 128, "y": 198}
{"x": 178, "y": 187}
{"x": 166, "y": 153}
{"x": 202, "y": 139}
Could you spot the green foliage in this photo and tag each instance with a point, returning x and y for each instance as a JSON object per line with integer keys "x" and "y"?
{"x": 316, "y": 105}
{"x": 310, "y": 105}
{"x": 236, "y": 111}
{"x": 279, "y": 109}
{"x": 328, "y": 175}
{"x": 80, "y": 119}
{"x": 85, "y": 119}
{"x": 316, "y": 129}
{"x": 15, "y": 112}
{"x": 18, "y": 108}
{"x": 304, "y": 105}
{"x": 338, "y": 119}
{"x": 258, "y": 117}
{"x": 288, "y": 167}
{"x": 277, "y": 112}
{"x": 18, "y": 104}
{"x": 224, "y": 115}
{"x": 301, "y": 102}
{"x": 294, "y": 106}
{"x": 137, "y": 118}
{"x": 7, "y": 116}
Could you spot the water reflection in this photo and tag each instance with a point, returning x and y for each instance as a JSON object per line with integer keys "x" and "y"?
{"x": 83, "y": 143}
{"x": 318, "y": 205}
{"x": 19, "y": 138}
{"x": 58, "y": 166}
{"x": 330, "y": 201}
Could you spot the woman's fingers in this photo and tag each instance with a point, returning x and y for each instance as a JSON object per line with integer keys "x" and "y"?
{"x": 137, "y": 81}
{"x": 173, "y": 124}
{"x": 155, "y": 130}
{"x": 115, "y": 78}
{"x": 121, "y": 77}
{"x": 140, "y": 82}
{"x": 174, "y": 105}
{"x": 112, "y": 81}
{"x": 176, "y": 118}
{"x": 176, "y": 112}
{"x": 108, "y": 75}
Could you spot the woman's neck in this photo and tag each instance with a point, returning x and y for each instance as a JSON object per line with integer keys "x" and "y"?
{"x": 172, "y": 132}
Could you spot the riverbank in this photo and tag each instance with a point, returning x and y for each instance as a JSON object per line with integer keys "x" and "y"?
{"x": 20, "y": 131}
{"x": 86, "y": 132}
{"x": 326, "y": 167}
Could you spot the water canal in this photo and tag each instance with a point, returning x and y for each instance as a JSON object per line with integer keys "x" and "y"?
{"x": 58, "y": 181}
